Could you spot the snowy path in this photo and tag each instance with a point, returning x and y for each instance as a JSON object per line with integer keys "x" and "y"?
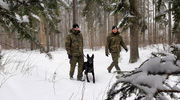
{"x": 37, "y": 81}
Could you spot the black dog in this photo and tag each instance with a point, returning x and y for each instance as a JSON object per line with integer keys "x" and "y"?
{"x": 89, "y": 67}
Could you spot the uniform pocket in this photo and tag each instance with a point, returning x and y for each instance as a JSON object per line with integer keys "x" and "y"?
{"x": 113, "y": 49}
{"x": 75, "y": 45}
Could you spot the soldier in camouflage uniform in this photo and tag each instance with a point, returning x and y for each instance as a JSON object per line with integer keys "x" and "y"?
{"x": 74, "y": 48}
{"x": 113, "y": 45}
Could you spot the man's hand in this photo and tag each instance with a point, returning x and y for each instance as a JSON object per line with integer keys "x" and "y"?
{"x": 126, "y": 50}
{"x": 107, "y": 54}
{"x": 69, "y": 56}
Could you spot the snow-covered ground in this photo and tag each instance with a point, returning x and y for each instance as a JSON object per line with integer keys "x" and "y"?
{"x": 29, "y": 75}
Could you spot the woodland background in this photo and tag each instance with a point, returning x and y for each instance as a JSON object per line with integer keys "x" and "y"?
{"x": 141, "y": 23}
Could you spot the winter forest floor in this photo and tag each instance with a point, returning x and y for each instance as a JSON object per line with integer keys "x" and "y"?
{"x": 29, "y": 75}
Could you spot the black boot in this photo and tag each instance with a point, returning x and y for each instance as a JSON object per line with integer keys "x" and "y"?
{"x": 109, "y": 71}
{"x": 71, "y": 78}
{"x": 80, "y": 79}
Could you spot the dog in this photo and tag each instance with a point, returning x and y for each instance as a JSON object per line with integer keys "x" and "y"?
{"x": 88, "y": 67}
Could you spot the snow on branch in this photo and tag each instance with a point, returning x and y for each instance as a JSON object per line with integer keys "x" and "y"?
{"x": 4, "y": 5}
{"x": 150, "y": 81}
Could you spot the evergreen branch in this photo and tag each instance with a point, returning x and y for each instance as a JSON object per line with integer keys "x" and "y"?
{"x": 166, "y": 91}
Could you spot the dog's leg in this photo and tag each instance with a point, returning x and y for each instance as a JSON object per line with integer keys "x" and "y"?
{"x": 93, "y": 76}
{"x": 87, "y": 76}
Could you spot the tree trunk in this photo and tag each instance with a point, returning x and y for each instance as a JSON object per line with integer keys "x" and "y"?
{"x": 69, "y": 15}
{"x": 108, "y": 25}
{"x": 149, "y": 32}
{"x": 0, "y": 59}
{"x": 32, "y": 45}
{"x": 116, "y": 19}
{"x": 134, "y": 52}
{"x": 155, "y": 27}
{"x": 47, "y": 39}
{"x": 170, "y": 26}
{"x": 134, "y": 31}
{"x": 165, "y": 35}
{"x": 42, "y": 33}
{"x": 75, "y": 12}
{"x": 177, "y": 37}
{"x": 144, "y": 18}
{"x": 91, "y": 32}
{"x": 105, "y": 29}
{"x": 58, "y": 40}
{"x": 154, "y": 24}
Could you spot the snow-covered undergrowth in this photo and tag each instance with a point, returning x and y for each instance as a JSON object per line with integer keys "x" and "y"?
{"x": 29, "y": 75}
{"x": 158, "y": 78}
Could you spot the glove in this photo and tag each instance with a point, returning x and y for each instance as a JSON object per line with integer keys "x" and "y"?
{"x": 69, "y": 56}
{"x": 126, "y": 50}
{"x": 107, "y": 54}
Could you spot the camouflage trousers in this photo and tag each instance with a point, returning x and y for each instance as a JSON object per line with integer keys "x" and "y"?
{"x": 73, "y": 61}
{"x": 115, "y": 57}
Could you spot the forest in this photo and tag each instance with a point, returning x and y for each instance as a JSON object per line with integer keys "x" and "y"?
{"x": 149, "y": 28}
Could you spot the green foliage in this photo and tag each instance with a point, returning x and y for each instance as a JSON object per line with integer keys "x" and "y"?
{"x": 127, "y": 90}
{"x": 88, "y": 8}
{"x": 131, "y": 15}
{"x": 125, "y": 8}
{"x": 127, "y": 86}
{"x": 162, "y": 19}
{"x": 13, "y": 19}
{"x": 175, "y": 12}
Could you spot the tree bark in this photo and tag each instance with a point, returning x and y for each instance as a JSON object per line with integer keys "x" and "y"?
{"x": 149, "y": 32}
{"x": 116, "y": 19}
{"x": 0, "y": 59}
{"x": 177, "y": 37}
{"x": 154, "y": 24}
{"x": 91, "y": 31}
{"x": 144, "y": 18}
{"x": 75, "y": 12}
{"x": 170, "y": 26}
{"x": 42, "y": 33}
{"x": 134, "y": 52}
{"x": 134, "y": 32}
{"x": 105, "y": 29}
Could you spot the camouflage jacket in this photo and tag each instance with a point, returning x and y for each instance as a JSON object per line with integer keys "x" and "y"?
{"x": 114, "y": 43}
{"x": 74, "y": 43}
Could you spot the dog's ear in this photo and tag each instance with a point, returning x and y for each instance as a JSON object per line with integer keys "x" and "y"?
{"x": 93, "y": 56}
{"x": 87, "y": 55}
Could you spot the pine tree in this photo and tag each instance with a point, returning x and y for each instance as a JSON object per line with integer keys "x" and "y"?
{"x": 131, "y": 18}
{"x": 23, "y": 17}
{"x": 152, "y": 80}
{"x": 175, "y": 10}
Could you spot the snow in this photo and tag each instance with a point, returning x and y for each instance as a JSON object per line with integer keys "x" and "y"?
{"x": 178, "y": 46}
{"x": 127, "y": 15}
{"x": 17, "y": 17}
{"x": 4, "y": 5}
{"x": 25, "y": 18}
{"x": 120, "y": 22}
{"x": 112, "y": 12}
{"x": 35, "y": 16}
{"x": 153, "y": 75}
{"x": 113, "y": 4}
{"x": 130, "y": 15}
{"x": 22, "y": 19}
{"x": 148, "y": 83}
{"x": 42, "y": 5}
{"x": 32, "y": 76}
{"x": 154, "y": 66}
{"x": 66, "y": 3}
